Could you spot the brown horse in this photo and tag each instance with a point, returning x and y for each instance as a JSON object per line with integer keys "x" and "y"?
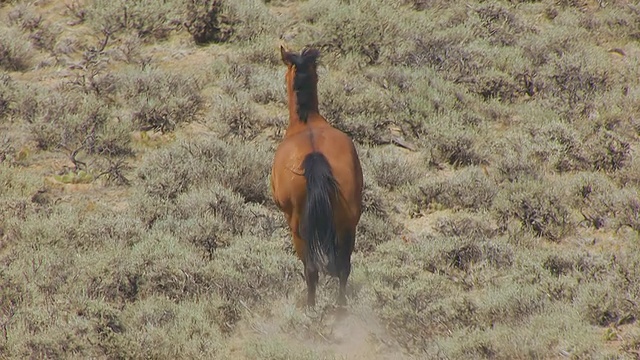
{"x": 316, "y": 180}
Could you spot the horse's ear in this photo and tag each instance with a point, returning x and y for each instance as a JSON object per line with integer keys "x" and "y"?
{"x": 286, "y": 56}
{"x": 311, "y": 54}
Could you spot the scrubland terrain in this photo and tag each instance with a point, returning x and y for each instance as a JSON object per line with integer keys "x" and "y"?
{"x": 136, "y": 140}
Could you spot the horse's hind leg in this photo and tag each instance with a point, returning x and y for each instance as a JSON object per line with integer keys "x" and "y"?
{"x": 344, "y": 267}
{"x": 311, "y": 276}
{"x": 310, "y": 272}
{"x": 344, "y": 276}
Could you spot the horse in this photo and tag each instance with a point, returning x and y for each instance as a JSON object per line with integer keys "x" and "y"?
{"x": 316, "y": 180}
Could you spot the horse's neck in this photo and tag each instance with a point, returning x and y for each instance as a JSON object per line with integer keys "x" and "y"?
{"x": 309, "y": 104}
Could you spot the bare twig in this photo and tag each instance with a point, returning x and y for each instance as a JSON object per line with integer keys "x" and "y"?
{"x": 402, "y": 143}
{"x": 105, "y": 41}
{"x": 115, "y": 172}
{"x": 246, "y": 307}
{"x": 74, "y": 160}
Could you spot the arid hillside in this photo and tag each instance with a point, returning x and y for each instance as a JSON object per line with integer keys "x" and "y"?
{"x": 499, "y": 143}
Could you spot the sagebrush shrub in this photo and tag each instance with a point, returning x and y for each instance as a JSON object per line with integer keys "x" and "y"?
{"x": 267, "y": 86}
{"x": 575, "y": 81}
{"x": 236, "y": 118}
{"x": 251, "y": 20}
{"x": 469, "y": 189}
{"x": 497, "y": 85}
{"x": 73, "y": 120}
{"x": 449, "y": 53}
{"x": 607, "y": 150}
{"x": 593, "y": 194}
{"x": 373, "y": 230}
{"x": 499, "y": 24}
{"x": 543, "y": 50}
{"x": 630, "y": 174}
{"x": 7, "y": 96}
{"x": 518, "y": 164}
{"x": 457, "y": 147}
{"x": 392, "y": 169}
{"x": 468, "y": 226}
{"x": 254, "y": 269}
{"x": 560, "y": 144}
{"x": 160, "y": 100}
{"x": 149, "y": 20}
{"x": 628, "y": 209}
{"x": 601, "y": 306}
{"x": 206, "y": 22}
{"x": 207, "y": 160}
{"x": 42, "y": 33}
{"x": 374, "y": 200}
{"x": 16, "y": 53}
{"x": 362, "y": 28}
{"x": 539, "y": 207}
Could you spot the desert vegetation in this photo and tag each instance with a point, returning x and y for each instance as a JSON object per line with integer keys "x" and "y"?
{"x": 499, "y": 141}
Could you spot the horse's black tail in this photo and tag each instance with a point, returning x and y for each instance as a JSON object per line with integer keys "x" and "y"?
{"x": 317, "y": 226}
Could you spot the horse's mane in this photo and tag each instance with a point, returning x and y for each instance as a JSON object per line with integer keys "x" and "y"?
{"x": 304, "y": 81}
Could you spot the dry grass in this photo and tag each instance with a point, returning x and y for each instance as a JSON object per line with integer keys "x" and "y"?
{"x": 136, "y": 144}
